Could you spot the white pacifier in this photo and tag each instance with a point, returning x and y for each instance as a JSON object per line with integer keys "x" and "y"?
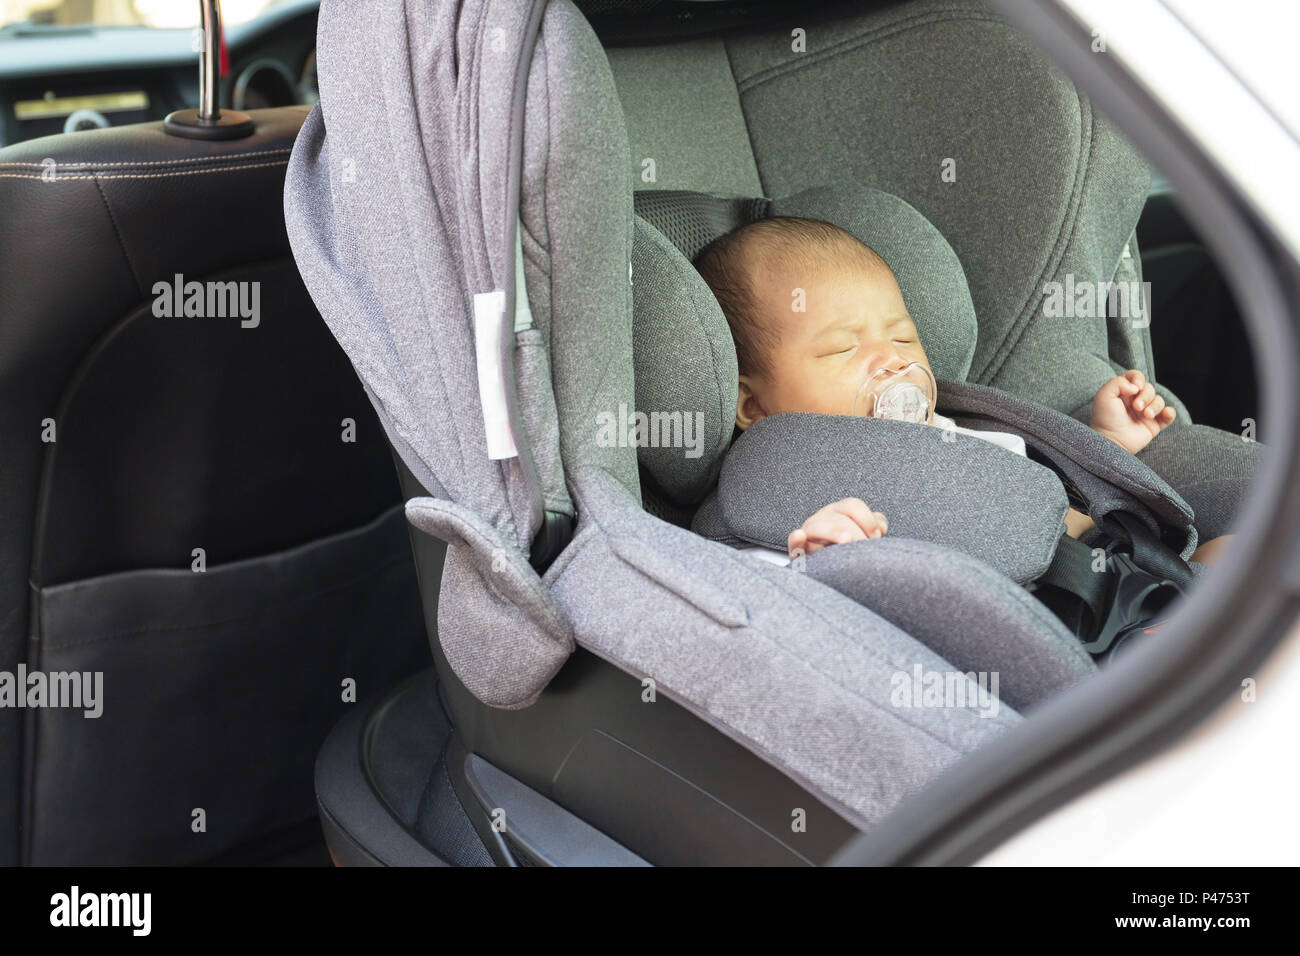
{"x": 903, "y": 395}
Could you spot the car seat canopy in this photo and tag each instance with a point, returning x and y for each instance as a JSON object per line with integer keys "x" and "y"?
{"x": 403, "y": 208}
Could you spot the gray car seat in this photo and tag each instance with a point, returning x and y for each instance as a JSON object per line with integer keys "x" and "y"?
{"x": 471, "y": 246}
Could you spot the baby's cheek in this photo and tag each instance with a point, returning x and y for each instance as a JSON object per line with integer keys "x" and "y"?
{"x": 809, "y": 392}
{"x": 836, "y": 398}
{"x": 835, "y": 393}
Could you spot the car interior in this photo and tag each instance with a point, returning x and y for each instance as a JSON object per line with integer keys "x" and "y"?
{"x": 322, "y": 640}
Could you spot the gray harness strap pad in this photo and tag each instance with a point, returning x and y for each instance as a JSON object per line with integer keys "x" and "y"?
{"x": 933, "y": 485}
{"x": 938, "y": 485}
{"x": 1107, "y": 477}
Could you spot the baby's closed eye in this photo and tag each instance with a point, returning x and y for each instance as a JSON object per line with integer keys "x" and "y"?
{"x": 840, "y": 350}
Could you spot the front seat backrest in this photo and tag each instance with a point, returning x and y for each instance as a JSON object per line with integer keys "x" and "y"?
{"x": 165, "y": 520}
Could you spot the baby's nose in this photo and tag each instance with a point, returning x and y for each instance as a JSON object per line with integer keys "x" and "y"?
{"x": 889, "y": 359}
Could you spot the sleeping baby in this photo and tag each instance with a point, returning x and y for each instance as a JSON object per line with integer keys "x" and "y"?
{"x": 820, "y": 326}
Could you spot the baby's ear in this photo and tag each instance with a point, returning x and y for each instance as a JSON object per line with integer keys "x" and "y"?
{"x": 749, "y": 410}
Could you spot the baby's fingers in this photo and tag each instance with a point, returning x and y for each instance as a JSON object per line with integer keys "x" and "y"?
{"x": 1144, "y": 397}
{"x": 1154, "y": 407}
{"x": 871, "y": 523}
{"x": 833, "y": 529}
{"x": 1118, "y": 386}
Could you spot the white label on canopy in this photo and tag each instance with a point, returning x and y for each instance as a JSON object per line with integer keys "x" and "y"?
{"x": 488, "y": 308}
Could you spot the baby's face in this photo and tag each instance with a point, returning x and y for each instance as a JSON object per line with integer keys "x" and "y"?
{"x": 855, "y": 324}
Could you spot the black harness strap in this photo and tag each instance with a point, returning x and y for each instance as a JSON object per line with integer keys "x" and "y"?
{"x": 1103, "y": 602}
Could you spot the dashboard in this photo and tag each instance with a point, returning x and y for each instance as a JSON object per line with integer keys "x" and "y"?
{"x": 69, "y": 79}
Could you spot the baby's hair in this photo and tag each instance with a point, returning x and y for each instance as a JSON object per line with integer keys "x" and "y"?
{"x": 786, "y": 244}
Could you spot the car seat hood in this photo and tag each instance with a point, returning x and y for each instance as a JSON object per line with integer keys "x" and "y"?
{"x": 403, "y": 208}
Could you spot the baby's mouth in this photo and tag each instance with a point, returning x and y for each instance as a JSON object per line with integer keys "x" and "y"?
{"x": 903, "y": 402}
{"x": 905, "y": 394}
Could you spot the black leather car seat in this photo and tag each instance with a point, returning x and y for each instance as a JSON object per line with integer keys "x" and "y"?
{"x": 186, "y": 503}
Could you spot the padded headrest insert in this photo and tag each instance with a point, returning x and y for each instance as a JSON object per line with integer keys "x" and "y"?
{"x": 685, "y": 366}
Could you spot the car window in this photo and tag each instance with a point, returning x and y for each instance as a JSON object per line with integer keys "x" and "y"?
{"x": 162, "y": 14}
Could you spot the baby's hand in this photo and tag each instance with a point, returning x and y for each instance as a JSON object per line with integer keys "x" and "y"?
{"x": 1128, "y": 411}
{"x": 846, "y": 520}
